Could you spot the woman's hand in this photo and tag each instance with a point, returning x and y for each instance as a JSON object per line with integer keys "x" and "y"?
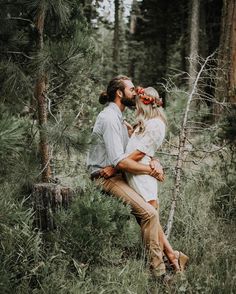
{"x": 157, "y": 170}
{"x": 108, "y": 172}
{"x": 129, "y": 127}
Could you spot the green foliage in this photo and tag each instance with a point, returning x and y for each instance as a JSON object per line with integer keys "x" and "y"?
{"x": 227, "y": 128}
{"x": 12, "y": 144}
{"x": 11, "y": 135}
{"x": 15, "y": 83}
{"x": 224, "y": 201}
{"x": 203, "y": 235}
{"x": 20, "y": 245}
{"x": 18, "y": 154}
{"x": 99, "y": 228}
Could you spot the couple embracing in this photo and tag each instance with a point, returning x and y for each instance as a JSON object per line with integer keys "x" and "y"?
{"x": 121, "y": 163}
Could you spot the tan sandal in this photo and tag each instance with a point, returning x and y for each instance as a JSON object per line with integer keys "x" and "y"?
{"x": 182, "y": 259}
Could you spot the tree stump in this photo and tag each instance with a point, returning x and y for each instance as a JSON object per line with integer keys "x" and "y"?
{"x": 47, "y": 199}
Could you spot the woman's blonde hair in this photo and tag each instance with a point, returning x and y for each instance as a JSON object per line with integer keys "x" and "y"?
{"x": 148, "y": 111}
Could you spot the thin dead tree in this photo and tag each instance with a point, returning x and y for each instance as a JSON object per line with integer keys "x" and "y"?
{"x": 183, "y": 136}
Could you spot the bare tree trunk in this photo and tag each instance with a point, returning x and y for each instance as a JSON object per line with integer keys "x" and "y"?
{"x": 116, "y": 41}
{"x": 181, "y": 151}
{"x": 133, "y": 17}
{"x": 132, "y": 30}
{"x": 232, "y": 71}
{"x": 226, "y": 82}
{"x": 194, "y": 42}
{"x": 40, "y": 90}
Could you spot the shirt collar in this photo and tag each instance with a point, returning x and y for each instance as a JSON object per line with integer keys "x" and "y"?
{"x": 116, "y": 108}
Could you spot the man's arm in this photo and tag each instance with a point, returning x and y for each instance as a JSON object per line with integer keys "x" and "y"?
{"x": 131, "y": 165}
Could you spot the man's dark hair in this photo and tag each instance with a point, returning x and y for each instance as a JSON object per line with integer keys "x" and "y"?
{"x": 117, "y": 83}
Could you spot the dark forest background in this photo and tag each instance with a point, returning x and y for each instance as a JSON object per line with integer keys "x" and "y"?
{"x": 58, "y": 233}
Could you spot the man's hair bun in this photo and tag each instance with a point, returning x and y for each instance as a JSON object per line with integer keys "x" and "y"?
{"x": 103, "y": 98}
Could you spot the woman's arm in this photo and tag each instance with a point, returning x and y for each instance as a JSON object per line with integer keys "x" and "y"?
{"x": 154, "y": 163}
{"x": 134, "y": 167}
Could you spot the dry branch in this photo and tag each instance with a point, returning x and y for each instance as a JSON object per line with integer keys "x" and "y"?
{"x": 182, "y": 150}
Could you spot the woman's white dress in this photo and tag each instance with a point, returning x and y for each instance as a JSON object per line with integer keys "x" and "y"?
{"x": 147, "y": 142}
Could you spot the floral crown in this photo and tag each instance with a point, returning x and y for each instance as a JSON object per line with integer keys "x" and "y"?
{"x": 148, "y": 99}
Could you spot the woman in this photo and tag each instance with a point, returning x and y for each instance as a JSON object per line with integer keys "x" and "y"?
{"x": 148, "y": 135}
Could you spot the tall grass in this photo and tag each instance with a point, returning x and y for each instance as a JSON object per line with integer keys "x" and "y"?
{"x": 97, "y": 248}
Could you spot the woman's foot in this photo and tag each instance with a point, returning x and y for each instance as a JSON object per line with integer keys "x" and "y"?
{"x": 173, "y": 261}
{"x": 175, "y": 264}
{"x": 182, "y": 260}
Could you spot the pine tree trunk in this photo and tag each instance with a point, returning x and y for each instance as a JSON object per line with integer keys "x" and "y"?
{"x": 40, "y": 90}
{"x": 116, "y": 37}
{"x": 226, "y": 76}
{"x": 47, "y": 197}
{"x": 194, "y": 42}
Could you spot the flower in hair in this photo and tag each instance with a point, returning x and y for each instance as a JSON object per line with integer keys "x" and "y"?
{"x": 156, "y": 102}
{"x": 147, "y": 99}
{"x": 140, "y": 90}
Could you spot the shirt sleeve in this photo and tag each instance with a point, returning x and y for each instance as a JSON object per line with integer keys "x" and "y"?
{"x": 152, "y": 138}
{"x": 112, "y": 136}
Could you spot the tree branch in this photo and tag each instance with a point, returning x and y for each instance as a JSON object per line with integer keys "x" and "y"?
{"x": 18, "y": 18}
{"x": 21, "y": 53}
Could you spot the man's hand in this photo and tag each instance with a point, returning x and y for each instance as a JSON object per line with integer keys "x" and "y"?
{"x": 157, "y": 170}
{"x": 107, "y": 172}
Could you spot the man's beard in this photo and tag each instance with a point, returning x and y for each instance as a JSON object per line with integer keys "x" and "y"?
{"x": 128, "y": 102}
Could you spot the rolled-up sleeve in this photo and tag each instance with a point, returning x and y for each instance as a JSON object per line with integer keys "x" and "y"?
{"x": 152, "y": 137}
{"x": 113, "y": 142}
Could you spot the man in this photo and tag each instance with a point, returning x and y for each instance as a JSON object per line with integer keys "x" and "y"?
{"x": 107, "y": 158}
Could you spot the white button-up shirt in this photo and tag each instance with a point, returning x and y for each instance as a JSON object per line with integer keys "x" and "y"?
{"x": 109, "y": 139}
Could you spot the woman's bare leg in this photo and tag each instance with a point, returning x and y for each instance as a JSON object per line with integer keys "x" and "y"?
{"x": 168, "y": 250}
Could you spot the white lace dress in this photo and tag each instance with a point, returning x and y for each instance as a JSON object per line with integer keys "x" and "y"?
{"x": 147, "y": 142}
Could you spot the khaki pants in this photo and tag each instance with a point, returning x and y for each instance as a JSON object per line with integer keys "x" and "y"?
{"x": 147, "y": 215}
